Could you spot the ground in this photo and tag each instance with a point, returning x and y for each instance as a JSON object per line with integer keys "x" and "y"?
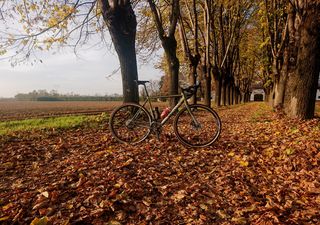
{"x": 264, "y": 169}
{"x": 10, "y": 110}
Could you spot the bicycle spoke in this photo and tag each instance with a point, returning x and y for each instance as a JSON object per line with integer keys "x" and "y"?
{"x": 201, "y": 129}
{"x": 130, "y": 123}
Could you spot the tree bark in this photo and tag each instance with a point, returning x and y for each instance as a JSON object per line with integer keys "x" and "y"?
{"x": 233, "y": 94}
{"x": 207, "y": 88}
{"x": 229, "y": 94}
{"x": 224, "y": 92}
{"x": 193, "y": 70}
{"x": 207, "y": 58}
{"x": 267, "y": 92}
{"x": 193, "y": 58}
{"x": 218, "y": 86}
{"x": 121, "y": 21}
{"x": 304, "y": 67}
{"x": 280, "y": 85}
{"x": 169, "y": 45}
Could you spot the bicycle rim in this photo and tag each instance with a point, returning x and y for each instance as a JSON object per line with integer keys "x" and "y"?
{"x": 199, "y": 133}
{"x": 130, "y": 123}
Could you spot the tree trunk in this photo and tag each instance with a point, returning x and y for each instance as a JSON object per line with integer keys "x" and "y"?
{"x": 169, "y": 44}
{"x": 279, "y": 91}
{"x": 280, "y": 85}
{"x": 236, "y": 96}
{"x": 267, "y": 92}
{"x": 170, "y": 47}
{"x": 218, "y": 84}
{"x": 304, "y": 64}
{"x": 246, "y": 97}
{"x": 224, "y": 92}
{"x": 207, "y": 59}
{"x": 207, "y": 88}
{"x": 193, "y": 81}
{"x": 229, "y": 94}
{"x": 233, "y": 95}
{"x": 193, "y": 68}
{"x": 121, "y": 22}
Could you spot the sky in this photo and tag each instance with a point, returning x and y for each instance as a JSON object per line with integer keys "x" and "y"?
{"x": 88, "y": 73}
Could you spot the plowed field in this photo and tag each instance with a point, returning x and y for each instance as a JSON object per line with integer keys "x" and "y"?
{"x": 11, "y": 110}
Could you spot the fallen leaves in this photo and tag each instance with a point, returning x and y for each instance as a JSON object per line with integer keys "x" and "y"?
{"x": 41, "y": 221}
{"x": 178, "y": 196}
{"x": 261, "y": 171}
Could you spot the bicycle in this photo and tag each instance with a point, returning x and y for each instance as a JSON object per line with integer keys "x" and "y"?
{"x": 194, "y": 125}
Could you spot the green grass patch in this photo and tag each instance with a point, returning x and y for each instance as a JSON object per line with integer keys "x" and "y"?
{"x": 49, "y": 123}
{"x": 260, "y": 114}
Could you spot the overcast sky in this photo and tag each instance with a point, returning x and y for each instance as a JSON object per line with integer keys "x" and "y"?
{"x": 65, "y": 72}
{"x": 88, "y": 73}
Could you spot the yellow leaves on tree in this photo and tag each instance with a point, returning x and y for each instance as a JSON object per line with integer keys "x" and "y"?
{"x": 52, "y": 21}
{"x": 59, "y": 16}
{"x": 3, "y": 51}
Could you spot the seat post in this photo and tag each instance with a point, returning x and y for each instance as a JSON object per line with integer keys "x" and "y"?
{"x": 146, "y": 91}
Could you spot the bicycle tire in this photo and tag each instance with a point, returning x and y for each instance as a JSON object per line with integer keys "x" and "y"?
{"x": 130, "y": 123}
{"x": 197, "y": 135}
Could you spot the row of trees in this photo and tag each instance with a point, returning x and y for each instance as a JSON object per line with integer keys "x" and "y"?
{"x": 291, "y": 33}
{"x": 232, "y": 43}
{"x": 53, "y": 95}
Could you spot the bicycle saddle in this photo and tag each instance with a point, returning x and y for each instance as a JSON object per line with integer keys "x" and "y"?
{"x": 139, "y": 82}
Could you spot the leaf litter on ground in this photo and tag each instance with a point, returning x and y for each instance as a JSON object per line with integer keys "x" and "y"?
{"x": 264, "y": 169}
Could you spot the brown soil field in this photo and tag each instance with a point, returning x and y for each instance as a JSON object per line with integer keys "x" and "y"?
{"x": 15, "y": 110}
{"x": 30, "y": 109}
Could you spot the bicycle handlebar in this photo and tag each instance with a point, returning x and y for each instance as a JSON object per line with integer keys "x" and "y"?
{"x": 188, "y": 91}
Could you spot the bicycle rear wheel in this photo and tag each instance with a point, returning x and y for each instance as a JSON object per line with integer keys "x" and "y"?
{"x": 201, "y": 130}
{"x": 130, "y": 123}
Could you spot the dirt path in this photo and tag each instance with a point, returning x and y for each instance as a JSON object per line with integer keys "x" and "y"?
{"x": 263, "y": 170}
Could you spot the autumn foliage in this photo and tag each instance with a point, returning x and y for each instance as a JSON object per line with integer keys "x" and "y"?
{"x": 264, "y": 169}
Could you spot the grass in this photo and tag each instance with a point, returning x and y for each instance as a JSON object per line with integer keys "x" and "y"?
{"x": 259, "y": 115}
{"x": 48, "y": 123}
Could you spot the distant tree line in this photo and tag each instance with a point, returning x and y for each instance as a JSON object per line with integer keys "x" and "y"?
{"x": 53, "y": 95}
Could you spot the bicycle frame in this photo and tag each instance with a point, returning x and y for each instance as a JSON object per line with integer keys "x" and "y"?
{"x": 182, "y": 100}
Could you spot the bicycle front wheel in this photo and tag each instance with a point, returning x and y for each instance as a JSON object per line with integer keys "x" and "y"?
{"x": 200, "y": 129}
{"x": 130, "y": 123}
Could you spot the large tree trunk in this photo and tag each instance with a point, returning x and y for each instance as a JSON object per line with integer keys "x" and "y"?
{"x": 121, "y": 21}
{"x": 170, "y": 47}
{"x": 267, "y": 92}
{"x": 169, "y": 44}
{"x": 279, "y": 91}
{"x": 280, "y": 84}
{"x": 304, "y": 64}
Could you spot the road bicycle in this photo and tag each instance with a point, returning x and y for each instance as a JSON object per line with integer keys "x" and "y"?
{"x": 195, "y": 125}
